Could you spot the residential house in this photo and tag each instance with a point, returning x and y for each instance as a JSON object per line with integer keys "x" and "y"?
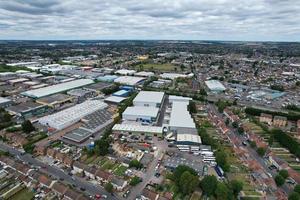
{"x": 45, "y": 181}
{"x": 279, "y": 121}
{"x": 51, "y": 152}
{"x": 266, "y": 118}
{"x": 78, "y": 167}
{"x": 40, "y": 150}
{"x": 90, "y": 172}
{"x": 103, "y": 176}
{"x": 149, "y": 194}
{"x": 118, "y": 183}
{"x": 59, "y": 188}
{"x": 68, "y": 161}
{"x": 71, "y": 194}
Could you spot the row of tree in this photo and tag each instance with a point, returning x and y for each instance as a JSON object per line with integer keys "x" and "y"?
{"x": 287, "y": 141}
{"x": 256, "y": 112}
{"x": 220, "y": 190}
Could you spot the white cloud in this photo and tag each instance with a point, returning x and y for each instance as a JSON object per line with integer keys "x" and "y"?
{"x": 156, "y": 19}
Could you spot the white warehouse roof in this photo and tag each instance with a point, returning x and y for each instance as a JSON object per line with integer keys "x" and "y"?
{"x": 180, "y": 116}
{"x": 149, "y": 97}
{"x": 67, "y": 117}
{"x": 137, "y": 128}
{"x": 129, "y": 80}
{"x": 141, "y": 111}
{"x": 188, "y": 138}
{"x": 215, "y": 85}
{"x": 53, "y": 89}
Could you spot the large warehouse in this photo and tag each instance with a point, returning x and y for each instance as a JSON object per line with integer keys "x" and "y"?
{"x": 149, "y": 99}
{"x": 129, "y": 80}
{"x": 53, "y": 89}
{"x": 143, "y": 114}
{"x": 67, "y": 117}
{"x": 215, "y": 86}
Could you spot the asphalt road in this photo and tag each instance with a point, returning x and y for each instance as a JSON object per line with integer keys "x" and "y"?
{"x": 90, "y": 188}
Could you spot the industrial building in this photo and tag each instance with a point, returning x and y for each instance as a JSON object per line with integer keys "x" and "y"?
{"x": 141, "y": 114}
{"x": 114, "y": 100}
{"x": 5, "y": 102}
{"x": 138, "y": 129}
{"x": 56, "y": 100}
{"x": 129, "y": 80}
{"x": 188, "y": 142}
{"x": 92, "y": 123}
{"x": 215, "y": 86}
{"x": 67, "y": 117}
{"x": 149, "y": 99}
{"x": 54, "y": 89}
{"x": 27, "y": 109}
{"x": 121, "y": 93}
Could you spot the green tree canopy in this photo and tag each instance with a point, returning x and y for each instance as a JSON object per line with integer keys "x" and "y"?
{"x": 209, "y": 185}
{"x": 279, "y": 180}
{"x": 27, "y": 126}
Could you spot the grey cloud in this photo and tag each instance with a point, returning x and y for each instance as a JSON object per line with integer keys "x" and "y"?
{"x": 141, "y": 19}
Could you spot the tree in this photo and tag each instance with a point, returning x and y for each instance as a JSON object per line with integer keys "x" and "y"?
{"x": 222, "y": 191}
{"x": 297, "y": 188}
{"x": 136, "y": 164}
{"x": 284, "y": 173}
{"x": 236, "y": 186}
{"x": 294, "y": 196}
{"x": 221, "y": 159}
{"x": 188, "y": 183}
{"x": 261, "y": 151}
{"x": 279, "y": 180}
{"x": 109, "y": 187}
{"x": 192, "y": 107}
{"x": 252, "y": 144}
{"x": 27, "y": 126}
{"x": 135, "y": 180}
{"x": 209, "y": 185}
{"x": 235, "y": 124}
{"x": 240, "y": 130}
{"x": 227, "y": 121}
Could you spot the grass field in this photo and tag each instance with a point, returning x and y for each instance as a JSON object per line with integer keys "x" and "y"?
{"x": 120, "y": 170}
{"x": 24, "y": 194}
{"x": 108, "y": 165}
{"x": 162, "y": 67}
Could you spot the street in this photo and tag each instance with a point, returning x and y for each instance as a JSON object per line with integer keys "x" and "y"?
{"x": 91, "y": 189}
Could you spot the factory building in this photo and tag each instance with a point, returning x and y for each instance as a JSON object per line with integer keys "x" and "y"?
{"x": 215, "y": 86}
{"x": 68, "y": 117}
{"x": 54, "y": 89}
{"x": 149, "y": 99}
{"x": 141, "y": 114}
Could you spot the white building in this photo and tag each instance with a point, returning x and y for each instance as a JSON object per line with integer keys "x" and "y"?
{"x": 215, "y": 85}
{"x": 129, "y": 80}
{"x": 67, "y": 117}
{"x": 53, "y": 89}
{"x": 149, "y": 99}
{"x": 125, "y": 72}
{"x": 143, "y": 114}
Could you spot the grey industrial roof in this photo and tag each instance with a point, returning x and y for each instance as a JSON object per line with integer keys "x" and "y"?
{"x": 54, "y": 98}
{"x": 24, "y": 107}
{"x": 215, "y": 85}
{"x": 78, "y": 135}
{"x": 173, "y": 162}
{"x": 98, "y": 86}
{"x": 45, "y": 91}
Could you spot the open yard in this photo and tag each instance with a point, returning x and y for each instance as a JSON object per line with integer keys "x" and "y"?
{"x": 24, "y": 194}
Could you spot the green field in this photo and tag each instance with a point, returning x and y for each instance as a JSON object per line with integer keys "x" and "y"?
{"x": 162, "y": 67}
{"x": 120, "y": 170}
{"x": 24, "y": 194}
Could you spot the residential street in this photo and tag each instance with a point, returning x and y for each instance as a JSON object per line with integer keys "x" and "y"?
{"x": 58, "y": 173}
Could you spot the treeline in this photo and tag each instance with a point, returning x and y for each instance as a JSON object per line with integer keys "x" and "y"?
{"x": 287, "y": 141}
{"x": 256, "y": 112}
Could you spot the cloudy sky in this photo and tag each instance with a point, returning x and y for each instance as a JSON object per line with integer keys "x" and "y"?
{"x": 268, "y": 20}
